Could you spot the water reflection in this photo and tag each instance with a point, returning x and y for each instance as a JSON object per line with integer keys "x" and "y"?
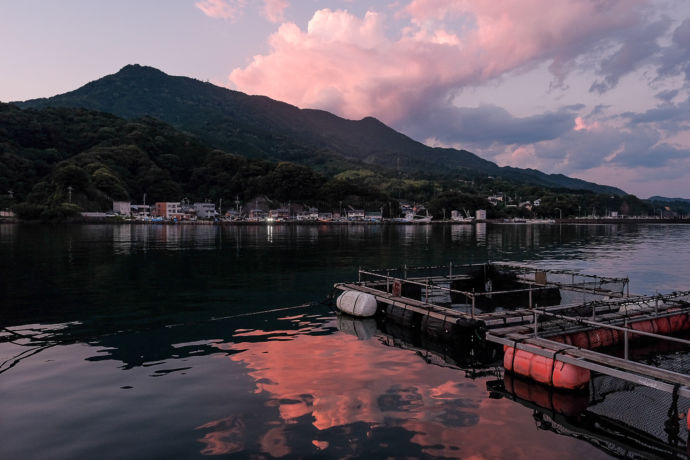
{"x": 362, "y": 328}
{"x": 480, "y": 228}
{"x": 343, "y": 394}
{"x": 339, "y": 380}
{"x": 608, "y": 417}
{"x": 459, "y": 233}
{"x": 163, "y": 336}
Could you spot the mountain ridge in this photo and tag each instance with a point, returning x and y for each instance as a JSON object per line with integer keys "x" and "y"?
{"x": 667, "y": 199}
{"x": 260, "y": 127}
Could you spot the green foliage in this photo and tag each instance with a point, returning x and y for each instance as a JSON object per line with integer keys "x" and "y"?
{"x": 70, "y": 175}
{"x": 29, "y": 211}
{"x": 105, "y": 158}
{"x": 105, "y": 181}
{"x": 260, "y": 128}
{"x": 60, "y": 212}
{"x": 294, "y": 182}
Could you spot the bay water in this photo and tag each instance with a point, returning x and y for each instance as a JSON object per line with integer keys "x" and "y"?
{"x": 181, "y": 341}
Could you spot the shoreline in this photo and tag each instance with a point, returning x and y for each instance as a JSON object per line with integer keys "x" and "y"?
{"x": 569, "y": 221}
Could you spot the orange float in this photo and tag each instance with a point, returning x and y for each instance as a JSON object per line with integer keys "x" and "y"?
{"x": 544, "y": 370}
{"x": 568, "y": 404}
{"x": 603, "y": 337}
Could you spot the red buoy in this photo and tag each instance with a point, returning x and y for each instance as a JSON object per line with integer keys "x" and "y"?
{"x": 545, "y": 370}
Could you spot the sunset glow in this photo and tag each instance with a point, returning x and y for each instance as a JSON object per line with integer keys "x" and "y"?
{"x": 569, "y": 82}
{"x": 377, "y": 386}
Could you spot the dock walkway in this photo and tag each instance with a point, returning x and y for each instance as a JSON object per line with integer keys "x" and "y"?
{"x": 609, "y": 311}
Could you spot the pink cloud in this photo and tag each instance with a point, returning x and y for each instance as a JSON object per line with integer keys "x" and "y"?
{"x": 347, "y": 64}
{"x": 221, "y": 9}
{"x": 274, "y": 10}
{"x": 581, "y": 124}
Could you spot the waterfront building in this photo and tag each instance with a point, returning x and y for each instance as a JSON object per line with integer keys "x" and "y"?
{"x": 257, "y": 215}
{"x": 355, "y": 214}
{"x": 168, "y": 209}
{"x": 374, "y": 216}
{"x": 495, "y": 199}
{"x": 205, "y": 210}
{"x": 123, "y": 208}
{"x": 279, "y": 214}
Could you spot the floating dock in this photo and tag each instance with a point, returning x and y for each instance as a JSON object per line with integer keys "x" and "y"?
{"x": 556, "y": 327}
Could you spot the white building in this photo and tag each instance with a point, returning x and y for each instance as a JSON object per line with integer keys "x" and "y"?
{"x": 525, "y": 204}
{"x": 355, "y": 214}
{"x": 495, "y": 199}
{"x": 123, "y": 208}
{"x": 480, "y": 214}
{"x": 205, "y": 210}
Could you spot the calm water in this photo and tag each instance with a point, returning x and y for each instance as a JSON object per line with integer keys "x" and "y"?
{"x": 181, "y": 342}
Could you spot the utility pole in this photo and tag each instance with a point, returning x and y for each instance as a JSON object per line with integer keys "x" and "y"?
{"x": 69, "y": 193}
{"x": 220, "y": 207}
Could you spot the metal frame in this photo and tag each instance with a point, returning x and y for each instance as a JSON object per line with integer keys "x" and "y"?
{"x": 561, "y": 354}
{"x": 522, "y": 338}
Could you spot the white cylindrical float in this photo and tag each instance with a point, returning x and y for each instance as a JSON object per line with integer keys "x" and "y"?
{"x": 357, "y": 303}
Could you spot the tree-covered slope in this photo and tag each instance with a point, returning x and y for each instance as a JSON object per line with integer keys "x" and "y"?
{"x": 260, "y": 127}
{"x": 56, "y": 156}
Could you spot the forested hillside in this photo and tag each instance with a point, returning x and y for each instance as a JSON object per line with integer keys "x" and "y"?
{"x": 44, "y": 153}
{"x": 262, "y": 128}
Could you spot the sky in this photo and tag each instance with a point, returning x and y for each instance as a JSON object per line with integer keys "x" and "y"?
{"x": 594, "y": 89}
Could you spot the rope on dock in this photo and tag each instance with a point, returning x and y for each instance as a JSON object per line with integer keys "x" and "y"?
{"x": 553, "y": 363}
{"x": 261, "y": 312}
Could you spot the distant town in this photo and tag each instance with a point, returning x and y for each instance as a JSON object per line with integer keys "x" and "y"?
{"x": 260, "y": 210}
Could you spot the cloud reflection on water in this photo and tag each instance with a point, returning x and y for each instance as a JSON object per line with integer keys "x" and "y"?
{"x": 341, "y": 386}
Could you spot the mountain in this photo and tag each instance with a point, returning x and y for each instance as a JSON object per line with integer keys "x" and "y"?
{"x": 260, "y": 127}
{"x": 680, "y": 206}
{"x": 668, "y": 200}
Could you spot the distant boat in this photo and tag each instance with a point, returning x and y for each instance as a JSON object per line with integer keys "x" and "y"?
{"x": 459, "y": 218}
{"x": 411, "y": 217}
